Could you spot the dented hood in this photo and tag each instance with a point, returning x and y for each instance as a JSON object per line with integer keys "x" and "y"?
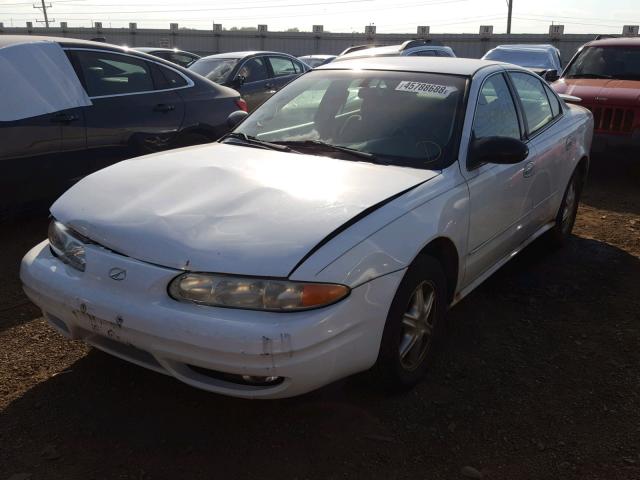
{"x": 226, "y": 208}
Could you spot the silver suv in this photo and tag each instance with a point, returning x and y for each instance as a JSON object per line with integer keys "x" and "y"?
{"x": 416, "y": 48}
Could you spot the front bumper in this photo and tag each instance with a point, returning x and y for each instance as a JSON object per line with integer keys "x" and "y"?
{"x": 136, "y": 320}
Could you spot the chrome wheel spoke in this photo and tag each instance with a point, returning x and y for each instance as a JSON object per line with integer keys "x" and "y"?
{"x": 417, "y": 326}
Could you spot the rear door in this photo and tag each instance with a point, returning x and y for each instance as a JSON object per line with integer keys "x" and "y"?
{"x": 284, "y": 70}
{"x": 135, "y": 108}
{"x": 542, "y": 114}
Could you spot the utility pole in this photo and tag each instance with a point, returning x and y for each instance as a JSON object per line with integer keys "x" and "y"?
{"x": 44, "y": 11}
{"x": 510, "y": 5}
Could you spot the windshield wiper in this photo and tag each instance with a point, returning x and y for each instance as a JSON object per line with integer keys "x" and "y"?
{"x": 338, "y": 148}
{"x": 588, "y": 75}
{"x": 257, "y": 142}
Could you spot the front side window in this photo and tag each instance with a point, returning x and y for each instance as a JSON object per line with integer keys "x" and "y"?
{"x": 113, "y": 74}
{"x": 495, "y": 111}
{"x": 215, "y": 69}
{"x": 537, "y": 110}
{"x": 282, "y": 67}
{"x": 622, "y": 63}
{"x": 400, "y": 118}
{"x": 253, "y": 70}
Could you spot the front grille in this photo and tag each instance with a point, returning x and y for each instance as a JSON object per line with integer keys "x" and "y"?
{"x": 612, "y": 119}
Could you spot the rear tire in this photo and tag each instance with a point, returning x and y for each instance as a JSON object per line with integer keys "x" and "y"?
{"x": 414, "y": 325}
{"x": 566, "y": 217}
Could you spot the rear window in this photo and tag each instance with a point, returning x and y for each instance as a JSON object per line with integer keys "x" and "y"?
{"x": 523, "y": 58}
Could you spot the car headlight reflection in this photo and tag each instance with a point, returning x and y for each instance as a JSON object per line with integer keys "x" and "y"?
{"x": 254, "y": 293}
{"x": 67, "y": 245}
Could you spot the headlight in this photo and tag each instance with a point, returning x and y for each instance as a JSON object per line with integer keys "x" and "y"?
{"x": 254, "y": 293}
{"x": 67, "y": 245}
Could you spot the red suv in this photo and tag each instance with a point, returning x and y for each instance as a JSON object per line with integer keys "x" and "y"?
{"x": 605, "y": 74}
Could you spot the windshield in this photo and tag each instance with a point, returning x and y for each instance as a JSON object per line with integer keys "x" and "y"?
{"x": 622, "y": 63}
{"x": 523, "y": 58}
{"x": 215, "y": 69}
{"x": 399, "y": 118}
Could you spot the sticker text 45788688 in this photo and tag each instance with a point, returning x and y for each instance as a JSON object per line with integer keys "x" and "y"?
{"x": 422, "y": 87}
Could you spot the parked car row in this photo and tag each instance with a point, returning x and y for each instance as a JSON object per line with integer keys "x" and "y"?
{"x": 330, "y": 230}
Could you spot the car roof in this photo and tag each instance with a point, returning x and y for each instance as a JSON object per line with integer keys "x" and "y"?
{"x": 244, "y": 54}
{"x": 616, "y": 42}
{"x": 445, "y": 65}
{"x": 8, "y": 40}
{"x": 393, "y": 50}
{"x": 318, "y": 56}
{"x": 159, "y": 49}
{"x": 526, "y": 46}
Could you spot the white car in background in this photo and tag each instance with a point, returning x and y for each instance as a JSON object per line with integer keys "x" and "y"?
{"x": 328, "y": 234}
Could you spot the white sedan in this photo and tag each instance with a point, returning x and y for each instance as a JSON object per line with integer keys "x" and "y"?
{"x": 328, "y": 234}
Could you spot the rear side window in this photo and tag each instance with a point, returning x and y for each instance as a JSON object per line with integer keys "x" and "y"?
{"x": 495, "y": 113}
{"x": 172, "y": 78}
{"x": 282, "y": 67}
{"x": 107, "y": 73}
{"x": 556, "y": 109}
{"x": 537, "y": 110}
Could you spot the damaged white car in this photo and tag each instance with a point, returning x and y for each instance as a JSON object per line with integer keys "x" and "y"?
{"x": 328, "y": 234}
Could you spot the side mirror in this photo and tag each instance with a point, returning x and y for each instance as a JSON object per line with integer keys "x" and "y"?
{"x": 502, "y": 150}
{"x": 551, "y": 75}
{"x": 235, "y": 118}
{"x": 239, "y": 81}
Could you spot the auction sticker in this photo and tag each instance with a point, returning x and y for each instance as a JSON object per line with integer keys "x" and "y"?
{"x": 428, "y": 88}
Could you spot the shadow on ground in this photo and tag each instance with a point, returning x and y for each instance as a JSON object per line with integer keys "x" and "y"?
{"x": 538, "y": 378}
{"x": 614, "y": 182}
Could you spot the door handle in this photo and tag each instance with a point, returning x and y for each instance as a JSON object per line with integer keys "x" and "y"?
{"x": 268, "y": 86}
{"x": 64, "y": 118}
{"x": 163, "y": 107}
{"x": 528, "y": 169}
{"x": 568, "y": 144}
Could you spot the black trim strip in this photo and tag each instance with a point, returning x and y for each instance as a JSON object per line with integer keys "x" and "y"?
{"x": 350, "y": 222}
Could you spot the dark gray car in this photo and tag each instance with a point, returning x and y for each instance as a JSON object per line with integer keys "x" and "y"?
{"x": 71, "y": 107}
{"x": 256, "y": 75}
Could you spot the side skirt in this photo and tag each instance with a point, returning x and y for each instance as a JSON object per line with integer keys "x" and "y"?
{"x": 472, "y": 286}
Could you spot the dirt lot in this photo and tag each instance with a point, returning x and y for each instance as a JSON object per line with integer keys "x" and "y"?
{"x": 539, "y": 378}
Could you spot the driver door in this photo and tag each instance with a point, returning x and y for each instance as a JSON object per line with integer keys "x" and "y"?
{"x": 500, "y": 204}
{"x": 257, "y": 86}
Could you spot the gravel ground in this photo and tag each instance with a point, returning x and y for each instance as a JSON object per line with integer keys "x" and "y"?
{"x": 538, "y": 378}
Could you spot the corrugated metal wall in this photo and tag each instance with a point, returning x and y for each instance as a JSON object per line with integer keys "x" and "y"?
{"x": 206, "y": 42}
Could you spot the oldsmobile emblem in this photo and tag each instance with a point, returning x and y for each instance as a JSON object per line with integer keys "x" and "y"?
{"x": 118, "y": 274}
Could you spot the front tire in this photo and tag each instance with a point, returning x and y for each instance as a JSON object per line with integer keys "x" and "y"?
{"x": 414, "y": 325}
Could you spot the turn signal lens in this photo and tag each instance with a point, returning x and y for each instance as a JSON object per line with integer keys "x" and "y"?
{"x": 254, "y": 293}
{"x": 242, "y": 104}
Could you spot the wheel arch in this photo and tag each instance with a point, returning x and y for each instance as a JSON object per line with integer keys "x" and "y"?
{"x": 445, "y": 252}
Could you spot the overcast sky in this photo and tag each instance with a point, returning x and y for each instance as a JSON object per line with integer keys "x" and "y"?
{"x": 444, "y": 16}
